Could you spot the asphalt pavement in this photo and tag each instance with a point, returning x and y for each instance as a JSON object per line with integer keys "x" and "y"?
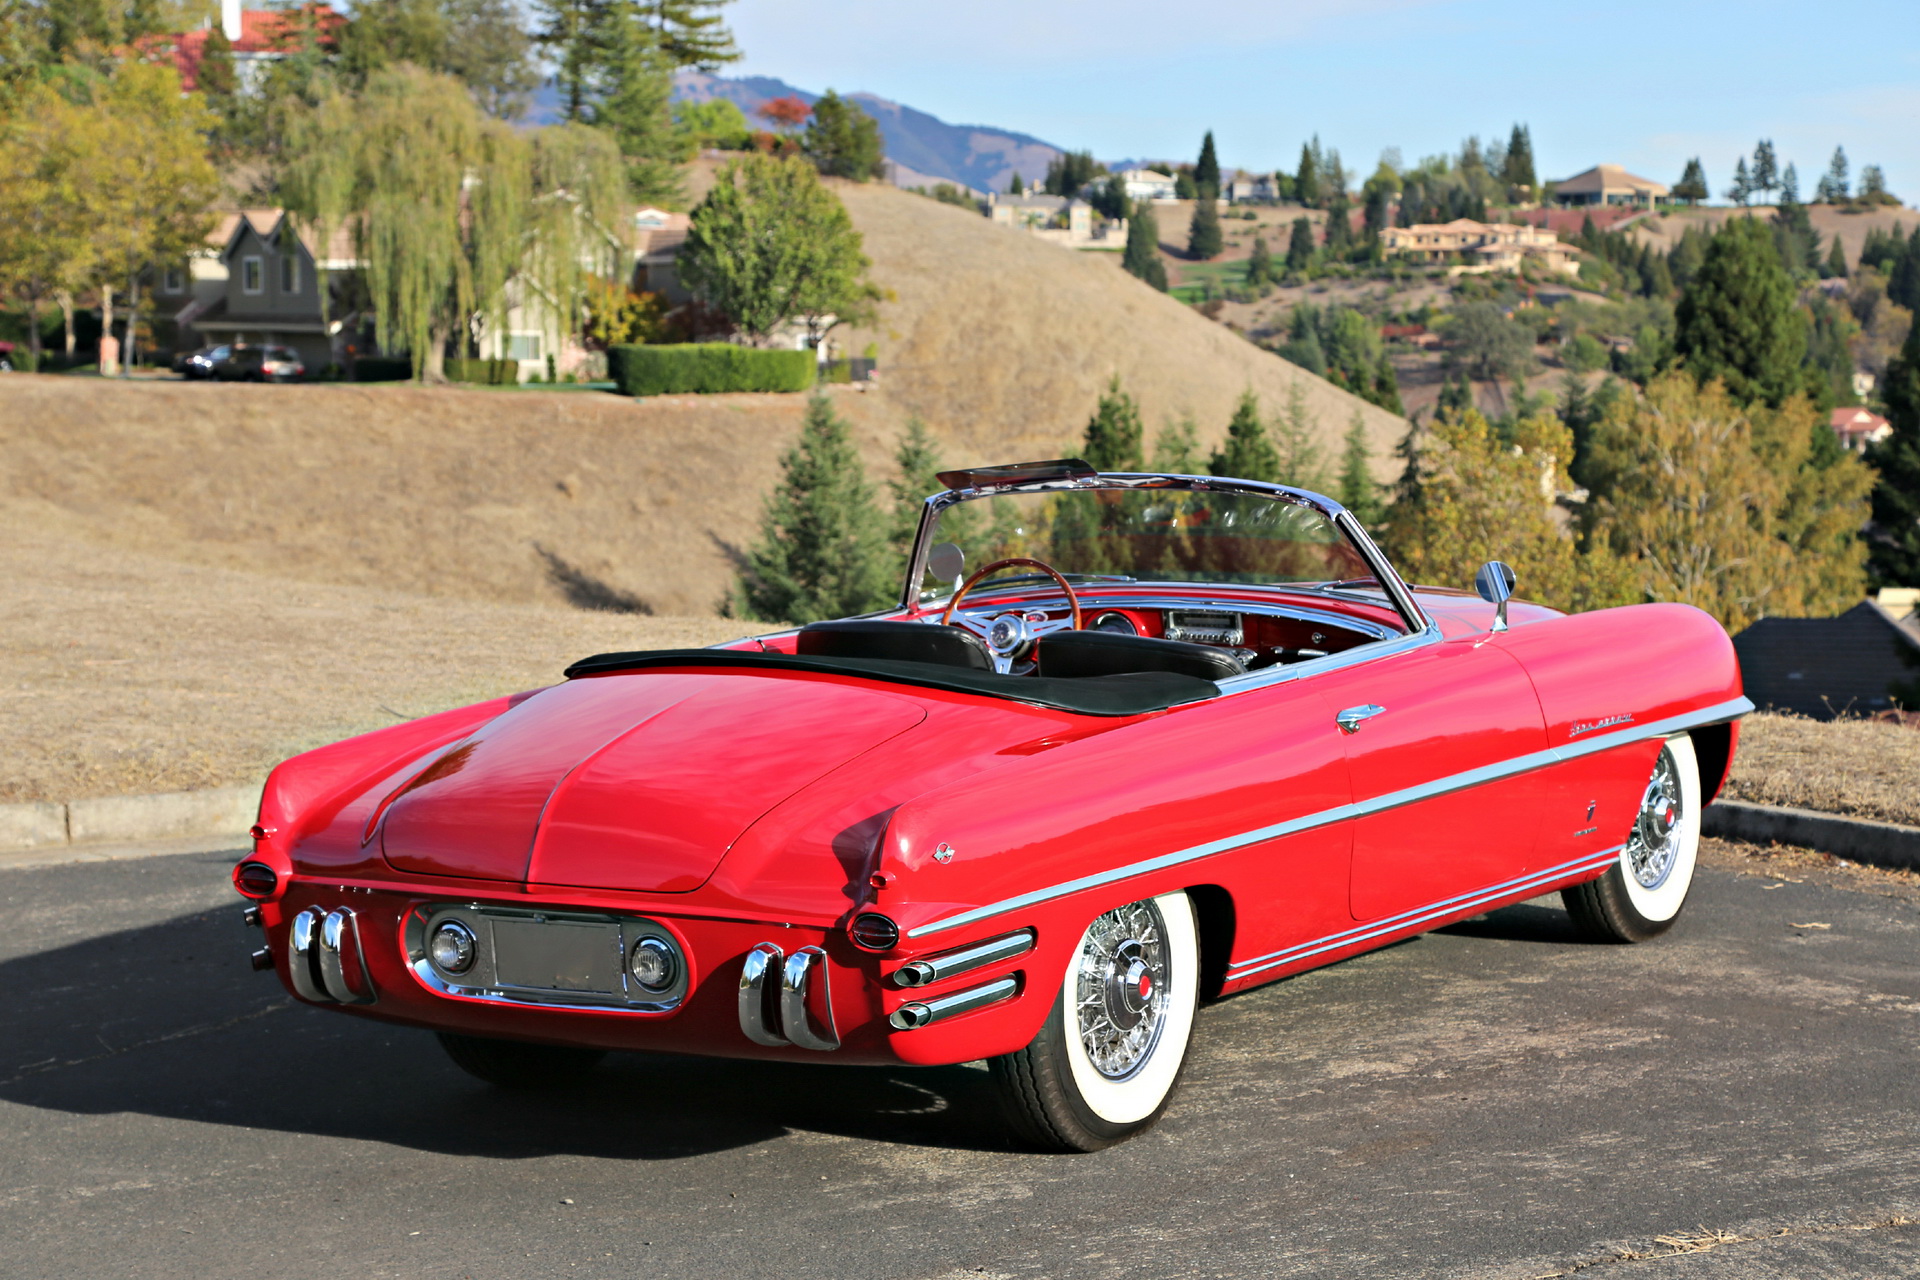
{"x": 1736, "y": 1099}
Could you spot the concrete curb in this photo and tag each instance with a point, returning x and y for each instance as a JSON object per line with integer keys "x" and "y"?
{"x": 217, "y": 811}
{"x": 1881, "y": 844}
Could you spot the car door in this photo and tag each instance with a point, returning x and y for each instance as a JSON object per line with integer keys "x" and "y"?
{"x": 1426, "y": 734}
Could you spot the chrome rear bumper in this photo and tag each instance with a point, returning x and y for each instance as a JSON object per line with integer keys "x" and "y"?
{"x": 786, "y": 999}
{"x": 324, "y": 958}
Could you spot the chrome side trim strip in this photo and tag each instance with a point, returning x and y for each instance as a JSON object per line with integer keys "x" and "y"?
{"x": 303, "y": 940}
{"x": 756, "y": 1022}
{"x": 339, "y": 954}
{"x": 924, "y": 973}
{"x": 1419, "y": 915}
{"x": 804, "y": 967}
{"x": 1717, "y": 714}
{"x": 920, "y": 1013}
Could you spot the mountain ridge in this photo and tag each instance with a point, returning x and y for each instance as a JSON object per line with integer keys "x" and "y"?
{"x": 923, "y": 147}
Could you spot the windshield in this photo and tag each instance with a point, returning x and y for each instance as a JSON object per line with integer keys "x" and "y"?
{"x": 1159, "y": 535}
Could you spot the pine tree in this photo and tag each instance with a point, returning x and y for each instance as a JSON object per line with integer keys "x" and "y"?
{"x": 1903, "y": 277}
{"x": 1206, "y": 172}
{"x": 1836, "y": 261}
{"x": 1456, "y": 395}
{"x": 822, "y": 539}
{"x": 1893, "y": 554}
{"x": 1790, "y": 185}
{"x": 1114, "y": 436}
{"x": 1204, "y": 239}
{"x": 1833, "y": 187}
{"x": 1014, "y": 185}
{"x": 1765, "y": 174}
{"x": 1142, "y": 256}
{"x": 1306, "y": 184}
{"x": 1359, "y": 493}
{"x": 1517, "y": 170}
{"x": 1176, "y": 449}
{"x": 1692, "y": 186}
{"x": 1294, "y": 443}
{"x": 916, "y": 461}
{"x": 1738, "y": 319}
{"x": 1300, "y": 245}
{"x": 1260, "y": 264}
{"x": 691, "y": 33}
{"x": 1339, "y": 226}
{"x": 1386, "y": 386}
{"x": 1742, "y": 189}
{"x": 1248, "y": 453}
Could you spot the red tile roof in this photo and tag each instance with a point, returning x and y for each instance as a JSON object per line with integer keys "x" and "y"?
{"x": 261, "y": 31}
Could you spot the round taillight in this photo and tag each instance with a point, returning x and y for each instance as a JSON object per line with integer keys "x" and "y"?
{"x": 872, "y": 931}
{"x": 255, "y": 880}
{"x": 653, "y": 965}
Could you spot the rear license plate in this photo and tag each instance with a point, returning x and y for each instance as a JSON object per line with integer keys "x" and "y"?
{"x": 557, "y": 955}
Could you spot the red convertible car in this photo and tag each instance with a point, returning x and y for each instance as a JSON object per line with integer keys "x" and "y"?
{"x": 1127, "y": 744}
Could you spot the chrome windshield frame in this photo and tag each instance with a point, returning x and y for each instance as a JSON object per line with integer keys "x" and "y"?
{"x": 1395, "y": 590}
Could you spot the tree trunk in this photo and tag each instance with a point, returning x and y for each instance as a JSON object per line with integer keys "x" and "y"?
{"x": 130, "y": 349}
{"x": 33, "y": 328}
{"x": 433, "y": 365}
{"x": 65, "y": 300}
{"x": 106, "y": 329}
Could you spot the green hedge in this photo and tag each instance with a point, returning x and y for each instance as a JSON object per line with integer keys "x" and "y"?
{"x": 382, "y": 369}
{"x": 707, "y": 368}
{"x": 492, "y": 373}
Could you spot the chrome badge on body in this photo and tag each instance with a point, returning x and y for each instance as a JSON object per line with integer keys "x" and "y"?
{"x": 1588, "y": 726}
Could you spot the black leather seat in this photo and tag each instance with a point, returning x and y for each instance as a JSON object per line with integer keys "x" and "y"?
{"x": 1108, "y": 653}
{"x": 894, "y": 641}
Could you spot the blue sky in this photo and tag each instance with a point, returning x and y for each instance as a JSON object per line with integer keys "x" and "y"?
{"x": 1629, "y": 81}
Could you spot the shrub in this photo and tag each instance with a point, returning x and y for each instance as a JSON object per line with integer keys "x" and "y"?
{"x": 382, "y": 369}
{"x": 492, "y": 373}
{"x": 707, "y": 368}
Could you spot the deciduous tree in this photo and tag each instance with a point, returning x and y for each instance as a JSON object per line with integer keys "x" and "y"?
{"x": 770, "y": 244}
{"x": 843, "y": 141}
{"x": 822, "y": 547}
{"x": 48, "y": 247}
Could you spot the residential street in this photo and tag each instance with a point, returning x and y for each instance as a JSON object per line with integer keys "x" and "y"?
{"x": 1490, "y": 1101}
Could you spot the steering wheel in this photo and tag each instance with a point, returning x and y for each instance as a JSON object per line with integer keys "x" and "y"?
{"x": 1010, "y": 635}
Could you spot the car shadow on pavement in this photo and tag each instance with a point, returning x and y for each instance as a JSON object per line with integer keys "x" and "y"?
{"x": 1522, "y": 923}
{"x": 169, "y": 1021}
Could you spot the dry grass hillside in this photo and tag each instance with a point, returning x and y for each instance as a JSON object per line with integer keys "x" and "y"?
{"x": 997, "y": 338}
{"x": 1665, "y": 229}
{"x": 1000, "y": 342}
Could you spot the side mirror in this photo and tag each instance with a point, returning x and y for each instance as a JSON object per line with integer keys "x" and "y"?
{"x": 1493, "y": 582}
{"x": 946, "y": 562}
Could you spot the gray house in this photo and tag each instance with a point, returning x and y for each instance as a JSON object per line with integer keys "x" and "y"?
{"x": 263, "y": 285}
{"x": 1855, "y": 664}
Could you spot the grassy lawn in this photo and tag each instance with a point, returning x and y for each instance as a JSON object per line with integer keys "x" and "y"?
{"x": 1196, "y": 278}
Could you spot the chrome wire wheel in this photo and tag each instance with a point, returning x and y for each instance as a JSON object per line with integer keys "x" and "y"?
{"x": 1653, "y": 848}
{"x": 1123, "y": 987}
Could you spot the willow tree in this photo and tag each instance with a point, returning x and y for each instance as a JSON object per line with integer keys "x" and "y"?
{"x": 449, "y": 208}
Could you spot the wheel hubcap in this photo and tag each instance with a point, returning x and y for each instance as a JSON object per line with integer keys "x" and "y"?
{"x": 1651, "y": 849}
{"x": 1122, "y": 989}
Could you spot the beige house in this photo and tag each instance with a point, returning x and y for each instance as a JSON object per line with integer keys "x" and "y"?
{"x": 1486, "y": 246}
{"x": 1057, "y": 220}
{"x": 1149, "y": 184}
{"x": 1610, "y": 184}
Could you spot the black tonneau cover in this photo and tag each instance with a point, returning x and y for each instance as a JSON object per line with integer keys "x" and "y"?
{"x": 1135, "y": 693}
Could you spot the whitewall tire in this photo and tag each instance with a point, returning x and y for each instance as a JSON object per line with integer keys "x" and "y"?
{"x": 1109, "y": 1056}
{"x": 1641, "y": 895}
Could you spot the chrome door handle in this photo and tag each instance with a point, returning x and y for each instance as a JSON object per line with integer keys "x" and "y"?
{"x": 1352, "y": 718}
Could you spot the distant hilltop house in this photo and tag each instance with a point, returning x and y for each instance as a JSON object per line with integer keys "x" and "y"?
{"x": 1486, "y": 246}
{"x": 1858, "y": 428}
{"x": 1864, "y": 661}
{"x": 1150, "y": 185}
{"x": 1606, "y": 184}
{"x": 1250, "y": 188}
{"x": 658, "y": 236}
{"x": 1058, "y": 220}
{"x": 259, "y": 38}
